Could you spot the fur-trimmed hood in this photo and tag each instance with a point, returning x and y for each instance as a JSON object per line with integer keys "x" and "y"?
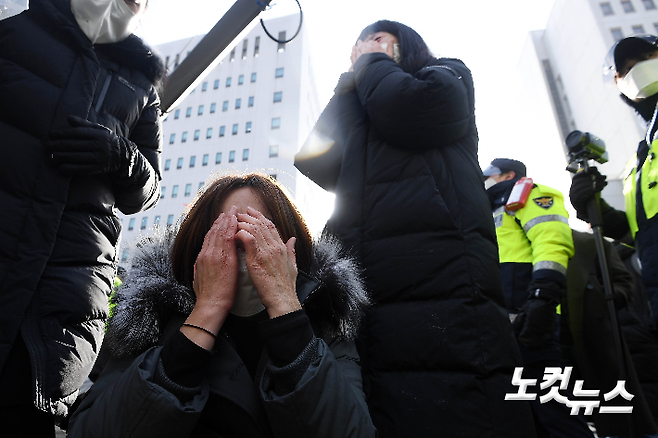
{"x": 333, "y": 294}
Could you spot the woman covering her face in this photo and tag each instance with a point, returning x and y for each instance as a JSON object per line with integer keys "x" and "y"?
{"x": 437, "y": 349}
{"x": 235, "y": 325}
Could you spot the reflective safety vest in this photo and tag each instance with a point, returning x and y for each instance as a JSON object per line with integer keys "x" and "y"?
{"x": 537, "y": 237}
{"x": 647, "y": 184}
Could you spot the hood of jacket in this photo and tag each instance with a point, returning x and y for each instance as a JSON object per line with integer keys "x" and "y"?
{"x": 333, "y": 294}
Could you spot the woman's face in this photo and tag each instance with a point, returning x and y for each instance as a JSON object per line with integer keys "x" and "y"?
{"x": 383, "y": 38}
{"x": 242, "y": 198}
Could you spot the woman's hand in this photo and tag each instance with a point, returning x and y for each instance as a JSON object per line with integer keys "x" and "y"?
{"x": 370, "y": 46}
{"x": 271, "y": 263}
{"x": 215, "y": 279}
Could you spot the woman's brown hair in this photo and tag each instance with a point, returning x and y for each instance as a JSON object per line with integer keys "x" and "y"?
{"x": 202, "y": 212}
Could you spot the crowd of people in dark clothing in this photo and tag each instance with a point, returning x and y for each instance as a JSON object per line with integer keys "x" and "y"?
{"x": 441, "y": 299}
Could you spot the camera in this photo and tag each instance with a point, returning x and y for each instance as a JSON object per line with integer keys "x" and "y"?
{"x": 584, "y": 146}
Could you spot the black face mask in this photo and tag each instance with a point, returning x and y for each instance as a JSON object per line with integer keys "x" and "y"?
{"x": 645, "y": 107}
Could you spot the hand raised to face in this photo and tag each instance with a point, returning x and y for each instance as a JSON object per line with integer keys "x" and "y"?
{"x": 271, "y": 263}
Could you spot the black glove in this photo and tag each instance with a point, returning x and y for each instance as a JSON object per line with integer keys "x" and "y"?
{"x": 537, "y": 321}
{"x": 89, "y": 148}
{"x": 584, "y": 186}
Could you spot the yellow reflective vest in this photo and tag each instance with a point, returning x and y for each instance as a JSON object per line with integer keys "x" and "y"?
{"x": 536, "y": 238}
{"x": 648, "y": 183}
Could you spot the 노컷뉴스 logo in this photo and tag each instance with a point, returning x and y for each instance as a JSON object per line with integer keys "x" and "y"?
{"x": 554, "y": 374}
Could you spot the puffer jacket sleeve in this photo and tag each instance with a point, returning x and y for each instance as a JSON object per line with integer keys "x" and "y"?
{"x": 139, "y": 189}
{"x": 432, "y": 108}
{"x": 327, "y": 401}
{"x": 127, "y": 402}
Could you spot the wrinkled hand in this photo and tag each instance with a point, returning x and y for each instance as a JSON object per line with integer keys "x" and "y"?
{"x": 89, "y": 148}
{"x": 271, "y": 263}
{"x": 536, "y": 323}
{"x": 216, "y": 266}
{"x": 584, "y": 186}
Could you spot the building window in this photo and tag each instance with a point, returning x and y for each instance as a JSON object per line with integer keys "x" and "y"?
{"x": 197, "y": 132}
{"x": 156, "y": 220}
{"x": 244, "y": 48}
{"x": 247, "y": 128}
{"x": 256, "y": 47}
{"x": 222, "y": 130}
{"x": 209, "y": 133}
{"x": 232, "y": 55}
{"x": 649, "y": 4}
{"x": 225, "y": 105}
{"x": 240, "y": 79}
{"x": 638, "y": 28}
{"x": 204, "y": 86}
{"x": 204, "y": 160}
{"x": 200, "y": 185}
{"x": 215, "y": 84}
{"x": 145, "y": 220}
{"x": 238, "y": 103}
{"x": 276, "y": 122}
{"x": 278, "y": 73}
{"x": 177, "y": 60}
{"x": 188, "y": 111}
{"x": 172, "y": 138}
{"x": 179, "y": 163}
{"x": 170, "y": 219}
{"x": 253, "y": 77}
{"x": 174, "y": 191}
{"x": 176, "y": 114}
{"x": 200, "y": 111}
{"x": 251, "y": 101}
{"x": 617, "y": 34}
{"x": 274, "y": 151}
{"x": 218, "y": 158}
{"x": 167, "y": 163}
{"x": 124, "y": 255}
{"x": 192, "y": 160}
{"x": 231, "y": 156}
{"x": 228, "y": 82}
{"x": 278, "y": 96}
{"x": 234, "y": 131}
{"x": 131, "y": 224}
{"x": 606, "y": 9}
{"x": 162, "y": 192}
{"x": 188, "y": 189}
{"x": 628, "y": 6}
{"x": 213, "y": 107}
{"x": 183, "y": 137}
{"x": 245, "y": 154}
{"x": 282, "y": 37}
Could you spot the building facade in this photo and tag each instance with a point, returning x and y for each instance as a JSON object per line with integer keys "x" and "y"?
{"x": 252, "y": 112}
{"x": 561, "y": 79}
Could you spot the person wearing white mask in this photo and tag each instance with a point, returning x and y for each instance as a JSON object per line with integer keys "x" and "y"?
{"x": 81, "y": 137}
{"x": 235, "y": 325}
{"x": 633, "y": 65}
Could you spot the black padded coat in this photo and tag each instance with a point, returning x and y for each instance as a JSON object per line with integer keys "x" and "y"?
{"x": 59, "y": 234}
{"x": 437, "y": 348}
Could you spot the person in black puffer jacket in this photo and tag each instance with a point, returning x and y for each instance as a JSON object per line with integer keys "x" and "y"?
{"x": 437, "y": 348}
{"x": 81, "y": 136}
{"x": 235, "y": 325}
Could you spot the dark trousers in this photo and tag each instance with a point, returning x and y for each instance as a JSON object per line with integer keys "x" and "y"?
{"x": 19, "y": 417}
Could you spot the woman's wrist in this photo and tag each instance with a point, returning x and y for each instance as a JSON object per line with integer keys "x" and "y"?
{"x": 203, "y": 325}
{"x": 287, "y": 304}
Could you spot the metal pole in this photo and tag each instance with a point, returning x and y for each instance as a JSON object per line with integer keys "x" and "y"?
{"x": 232, "y": 27}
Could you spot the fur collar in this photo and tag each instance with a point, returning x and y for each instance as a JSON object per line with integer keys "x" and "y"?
{"x": 150, "y": 296}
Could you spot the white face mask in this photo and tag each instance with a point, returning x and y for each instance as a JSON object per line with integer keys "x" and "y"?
{"x": 247, "y": 302}
{"x": 489, "y": 183}
{"x": 641, "y": 81}
{"x": 105, "y": 21}
{"x": 396, "y": 51}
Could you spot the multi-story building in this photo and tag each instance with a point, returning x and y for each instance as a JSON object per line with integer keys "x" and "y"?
{"x": 250, "y": 113}
{"x": 562, "y": 80}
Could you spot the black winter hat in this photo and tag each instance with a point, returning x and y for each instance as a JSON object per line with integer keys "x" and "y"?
{"x": 504, "y": 165}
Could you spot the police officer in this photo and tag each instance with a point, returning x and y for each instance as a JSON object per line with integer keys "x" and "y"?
{"x": 633, "y": 63}
{"x": 534, "y": 245}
